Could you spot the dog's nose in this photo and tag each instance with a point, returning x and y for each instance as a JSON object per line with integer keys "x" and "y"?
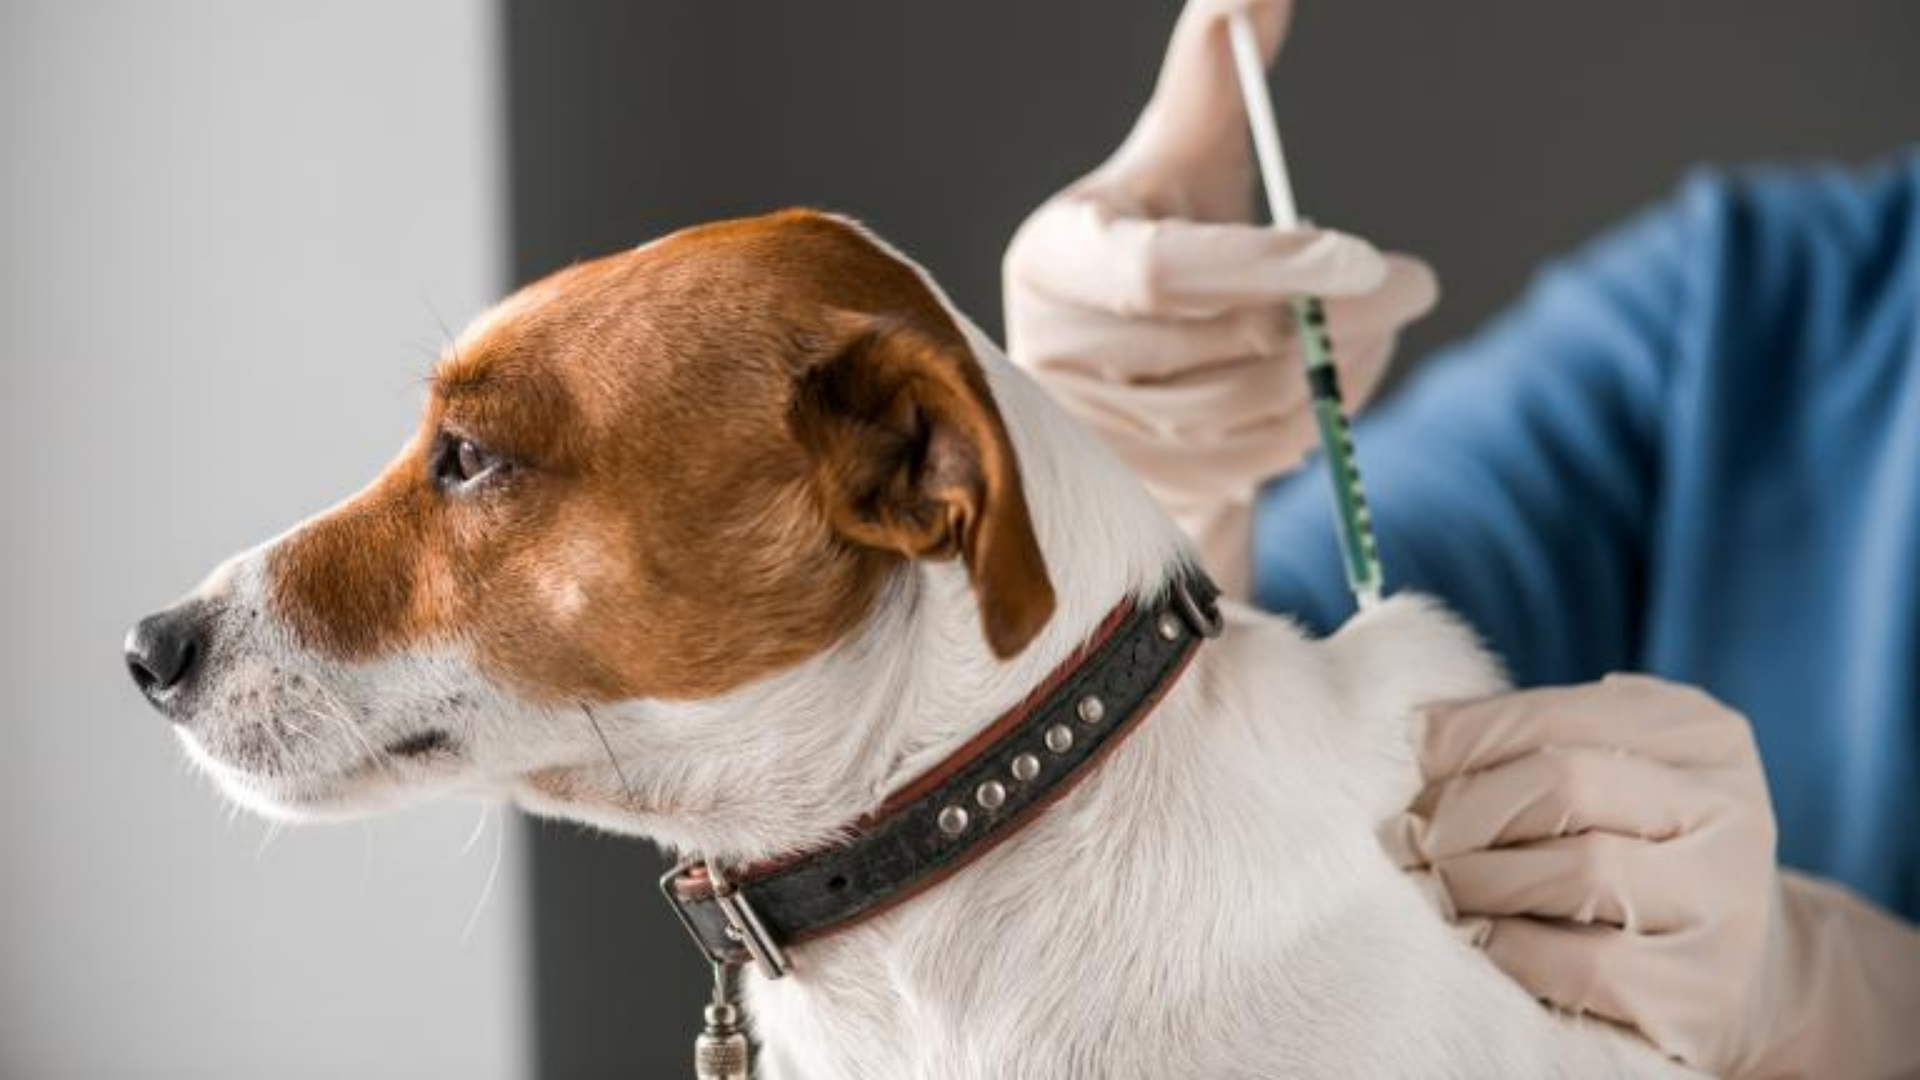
{"x": 164, "y": 650}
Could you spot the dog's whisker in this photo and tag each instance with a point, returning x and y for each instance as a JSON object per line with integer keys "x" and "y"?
{"x": 479, "y": 827}
{"x": 284, "y": 752}
{"x": 446, "y": 332}
{"x": 342, "y": 717}
{"x": 626, "y": 786}
{"x": 341, "y": 714}
{"x": 493, "y": 875}
{"x": 333, "y": 719}
{"x": 266, "y": 840}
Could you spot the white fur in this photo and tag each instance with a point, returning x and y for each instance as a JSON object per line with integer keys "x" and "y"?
{"x": 1212, "y": 902}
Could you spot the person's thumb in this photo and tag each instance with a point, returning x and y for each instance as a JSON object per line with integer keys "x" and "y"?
{"x": 1188, "y": 154}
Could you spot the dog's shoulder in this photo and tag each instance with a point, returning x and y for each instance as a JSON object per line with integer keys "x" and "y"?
{"x": 1412, "y": 650}
{"x": 1347, "y": 701}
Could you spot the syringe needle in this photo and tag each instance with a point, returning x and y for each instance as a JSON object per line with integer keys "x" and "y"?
{"x": 1358, "y": 551}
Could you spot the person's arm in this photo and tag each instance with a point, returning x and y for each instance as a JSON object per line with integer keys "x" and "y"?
{"x": 1611, "y": 839}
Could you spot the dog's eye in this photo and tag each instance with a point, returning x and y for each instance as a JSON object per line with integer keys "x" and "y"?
{"x": 459, "y": 462}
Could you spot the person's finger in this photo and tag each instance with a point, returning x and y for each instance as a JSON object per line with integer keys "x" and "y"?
{"x": 1222, "y": 400}
{"x": 1591, "y": 878}
{"x": 1268, "y": 17}
{"x": 1060, "y": 335}
{"x": 1208, "y": 405}
{"x": 1228, "y": 465}
{"x": 1563, "y": 791}
{"x": 1055, "y": 336}
{"x": 1403, "y": 837}
{"x": 1408, "y": 291}
{"x": 1081, "y": 252}
{"x": 1665, "y": 721}
{"x": 1195, "y": 122}
{"x": 1575, "y": 967}
{"x": 1366, "y": 328}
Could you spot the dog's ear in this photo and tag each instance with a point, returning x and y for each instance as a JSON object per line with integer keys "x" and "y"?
{"x": 910, "y": 455}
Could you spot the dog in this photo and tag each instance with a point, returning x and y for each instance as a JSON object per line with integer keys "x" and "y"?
{"x": 722, "y": 540}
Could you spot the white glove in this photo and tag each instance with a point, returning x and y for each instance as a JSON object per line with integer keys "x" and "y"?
{"x": 1611, "y": 846}
{"x": 1142, "y": 298}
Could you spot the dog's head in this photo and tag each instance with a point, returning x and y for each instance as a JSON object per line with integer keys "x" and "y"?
{"x": 660, "y": 476}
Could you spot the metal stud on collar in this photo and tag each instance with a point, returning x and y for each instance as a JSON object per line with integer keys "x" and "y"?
{"x": 953, "y": 820}
{"x": 990, "y": 795}
{"x": 1025, "y": 767}
{"x": 1059, "y": 738}
{"x": 1091, "y": 709}
{"x": 1168, "y": 625}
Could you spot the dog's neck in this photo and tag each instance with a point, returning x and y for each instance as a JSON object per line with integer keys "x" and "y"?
{"x": 787, "y": 764}
{"x": 1103, "y": 538}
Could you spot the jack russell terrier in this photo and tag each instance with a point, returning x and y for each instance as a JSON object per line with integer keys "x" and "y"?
{"x": 748, "y": 542}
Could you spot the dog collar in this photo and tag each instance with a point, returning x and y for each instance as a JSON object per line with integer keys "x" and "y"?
{"x": 958, "y": 810}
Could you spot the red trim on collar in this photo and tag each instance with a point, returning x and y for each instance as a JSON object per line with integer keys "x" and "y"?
{"x": 696, "y": 880}
{"x": 1137, "y": 653}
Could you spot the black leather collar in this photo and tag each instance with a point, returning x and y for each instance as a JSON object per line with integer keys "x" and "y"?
{"x": 960, "y": 809}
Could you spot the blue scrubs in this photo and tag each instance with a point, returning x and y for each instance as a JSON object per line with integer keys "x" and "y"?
{"x": 1693, "y": 449}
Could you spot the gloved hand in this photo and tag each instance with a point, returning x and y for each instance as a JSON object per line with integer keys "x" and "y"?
{"x": 1145, "y": 301}
{"x": 1611, "y": 846}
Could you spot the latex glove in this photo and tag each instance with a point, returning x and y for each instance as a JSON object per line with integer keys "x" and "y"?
{"x": 1611, "y": 845}
{"x": 1145, "y": 301}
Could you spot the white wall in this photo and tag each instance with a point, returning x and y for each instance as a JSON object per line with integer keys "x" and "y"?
{"x": 229, "y": 230}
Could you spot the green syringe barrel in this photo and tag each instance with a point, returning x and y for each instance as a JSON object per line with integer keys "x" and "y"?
{"x": 1358, "y": 552}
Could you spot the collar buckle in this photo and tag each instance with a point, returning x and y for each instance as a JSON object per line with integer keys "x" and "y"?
{"x": 745, "y": 927}
{"x": 738, "y": 927}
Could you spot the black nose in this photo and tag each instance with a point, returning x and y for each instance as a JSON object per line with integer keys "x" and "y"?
{"x": 164, "y": 650}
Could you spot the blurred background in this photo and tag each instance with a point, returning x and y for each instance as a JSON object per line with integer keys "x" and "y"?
{"x": 234, "y": 234}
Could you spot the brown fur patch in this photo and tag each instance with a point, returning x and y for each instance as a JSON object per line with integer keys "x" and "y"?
{"x": 670, "y": 525}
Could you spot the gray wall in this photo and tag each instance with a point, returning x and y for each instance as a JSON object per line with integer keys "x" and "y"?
{"x": 225, "y": 231}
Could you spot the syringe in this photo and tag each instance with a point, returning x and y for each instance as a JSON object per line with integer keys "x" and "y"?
{"x": 1357, "y": 548}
